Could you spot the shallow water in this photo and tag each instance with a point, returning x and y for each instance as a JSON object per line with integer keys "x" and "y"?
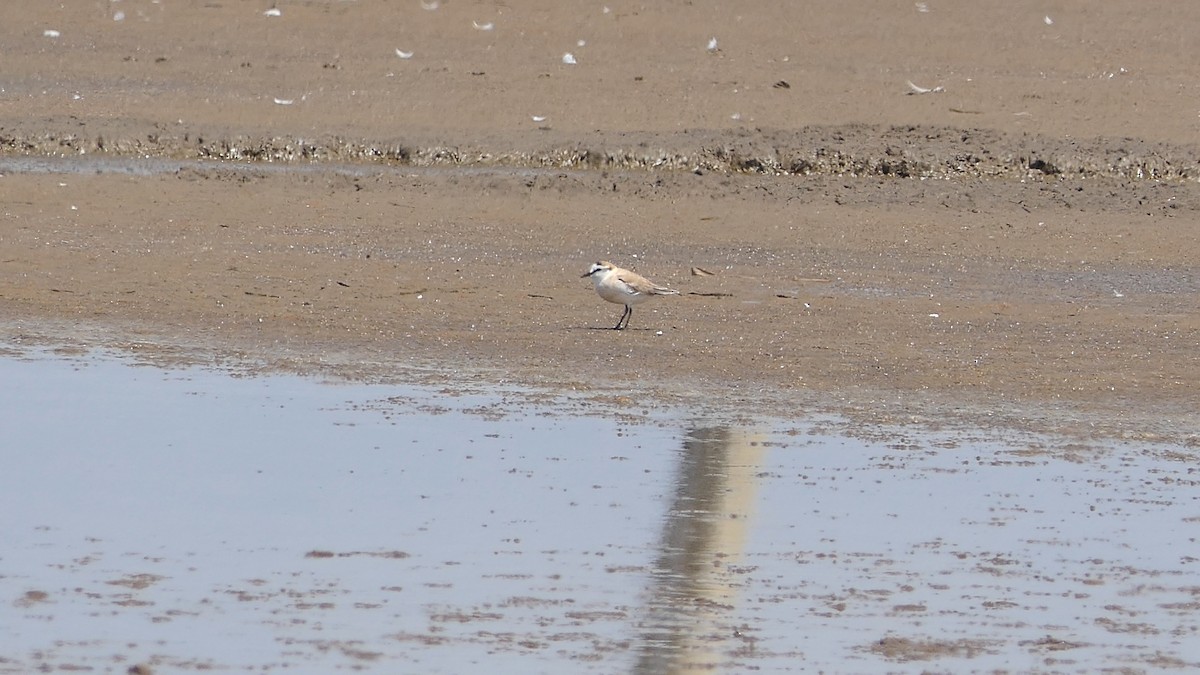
{"x": 189, "y": 519}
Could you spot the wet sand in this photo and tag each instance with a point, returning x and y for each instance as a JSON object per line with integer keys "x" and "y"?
{"x": 1016, "y": 249}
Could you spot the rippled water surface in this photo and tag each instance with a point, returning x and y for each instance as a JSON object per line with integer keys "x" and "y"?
{"x": 188, "y": 519}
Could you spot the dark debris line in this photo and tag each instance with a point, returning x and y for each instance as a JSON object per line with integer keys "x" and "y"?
{"x": 852, "y": 150}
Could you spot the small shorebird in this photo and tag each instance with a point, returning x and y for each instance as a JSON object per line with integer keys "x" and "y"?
{"x": 624, "y": 288}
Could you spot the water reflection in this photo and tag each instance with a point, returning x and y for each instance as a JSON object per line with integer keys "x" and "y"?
{"x": 194, "y": 521}
{"x": 690, "y": 604}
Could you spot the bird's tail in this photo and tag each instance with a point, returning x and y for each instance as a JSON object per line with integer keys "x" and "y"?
{"x": 661, "y": 290}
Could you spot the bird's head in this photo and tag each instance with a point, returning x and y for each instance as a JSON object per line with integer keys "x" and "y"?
{"x": 601, "y": 266}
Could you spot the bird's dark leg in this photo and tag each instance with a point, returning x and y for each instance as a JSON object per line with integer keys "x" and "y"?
{"x": 625, "y": 316}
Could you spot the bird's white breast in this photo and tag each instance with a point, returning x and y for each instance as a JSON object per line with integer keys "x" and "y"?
{"x": 612, "y": 289}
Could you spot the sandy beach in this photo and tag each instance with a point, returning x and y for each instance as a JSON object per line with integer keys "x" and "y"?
{"x": 1016, "y": 243}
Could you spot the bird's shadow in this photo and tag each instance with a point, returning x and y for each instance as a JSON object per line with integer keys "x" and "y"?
{"x": 608, "y": 329}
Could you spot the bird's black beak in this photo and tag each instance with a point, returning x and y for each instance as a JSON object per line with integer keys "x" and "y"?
{"x": 584, "y": 276}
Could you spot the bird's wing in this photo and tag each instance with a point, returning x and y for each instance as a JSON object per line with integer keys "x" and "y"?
{"x": 635, "y": 283}
{"x": 640, "y": 285}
